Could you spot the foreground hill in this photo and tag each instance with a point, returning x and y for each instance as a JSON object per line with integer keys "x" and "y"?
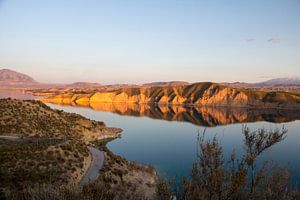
{"x": 41, "y": 146}
{"x": 31, "y": 118}
{"x": 198, "y": 94}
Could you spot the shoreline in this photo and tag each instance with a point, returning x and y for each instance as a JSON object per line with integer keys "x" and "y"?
{"x": 184, "y": 105}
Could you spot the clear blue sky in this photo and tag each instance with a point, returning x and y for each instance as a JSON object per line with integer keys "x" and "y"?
{"x": 150, "y": 40}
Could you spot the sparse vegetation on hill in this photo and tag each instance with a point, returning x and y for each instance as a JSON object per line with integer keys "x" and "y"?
{"x": 32, "y": 161}
{"x": 42, "y": 145}
{"x": 119, "y": 179}
{"x": 128, "y": 180}
{"x": 33, "y": 118}
{"x": 43, "y": 155}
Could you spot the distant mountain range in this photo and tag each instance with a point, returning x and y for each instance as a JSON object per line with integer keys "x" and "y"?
{"x": 169, "y": 83}
{"x": 278, "y": 84}
{"x": 83, "y": 85}
{"x": 10, "y": 78}
{"x": 283, "y": 81}
{"x": 13, "y": 79}
{"x": 272, "y": 82}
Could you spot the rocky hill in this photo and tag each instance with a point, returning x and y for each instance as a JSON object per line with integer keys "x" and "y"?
{"x": 200, "y": 94}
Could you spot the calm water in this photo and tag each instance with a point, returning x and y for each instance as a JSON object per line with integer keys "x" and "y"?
{"x": 166, "y": 137}
{"x": 171, "y": 146}
{"x": 15, "y": 94}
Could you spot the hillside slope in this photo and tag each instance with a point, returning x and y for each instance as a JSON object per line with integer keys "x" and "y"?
{"x": 30, "y": 118}
{"x": 200, "y": 94}
{"x": 42, "y": 145}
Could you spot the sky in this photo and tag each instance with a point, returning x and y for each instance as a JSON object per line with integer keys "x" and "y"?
{"x": 137, "y": 41}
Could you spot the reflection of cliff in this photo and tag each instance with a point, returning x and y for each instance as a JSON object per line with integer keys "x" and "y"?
{"x": 204, "y": 116}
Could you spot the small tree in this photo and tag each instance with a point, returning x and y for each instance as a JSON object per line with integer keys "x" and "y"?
{"x": 214, "y": 178}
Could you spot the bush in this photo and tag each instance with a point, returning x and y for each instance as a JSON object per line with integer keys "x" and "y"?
{"x": 213, "y": 177}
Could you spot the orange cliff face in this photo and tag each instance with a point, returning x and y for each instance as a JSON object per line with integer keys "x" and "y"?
{"x": 200, "y": 94}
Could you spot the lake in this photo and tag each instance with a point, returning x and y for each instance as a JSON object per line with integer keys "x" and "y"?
{"x": 166, "y": 137}
{"x": 15, "y": 93}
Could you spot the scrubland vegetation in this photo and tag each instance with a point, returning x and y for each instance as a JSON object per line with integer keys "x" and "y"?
{"x": 128, "y": 180}
{"x": 43, "y": 155}
{"x": 33, "y": 118}
{"x": 39, "y": 145}
{"x": 119, "y": 179}
{"x": 32, "y": 161}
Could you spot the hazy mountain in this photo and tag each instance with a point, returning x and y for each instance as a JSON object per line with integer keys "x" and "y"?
{"x": 278, "y": 84}
{"x": 8, "y": 76}
{"x": 283, "y": 81}
{"x": 84, "y": 85}
{"x": 13, "y": 79}
{"x": 169, "y": 83}
{"x": 10, "y": 79}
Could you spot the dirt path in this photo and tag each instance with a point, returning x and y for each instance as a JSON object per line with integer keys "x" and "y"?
{"x": 9, "y": 137}
{"x": 97, "y": 163}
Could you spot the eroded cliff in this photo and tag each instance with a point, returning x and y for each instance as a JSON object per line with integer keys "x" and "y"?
{"x": 201, "y": 94}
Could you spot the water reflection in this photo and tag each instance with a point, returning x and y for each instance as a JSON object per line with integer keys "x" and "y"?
{"x": 15, "y": 94}
{"x": 203, "y": 116}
